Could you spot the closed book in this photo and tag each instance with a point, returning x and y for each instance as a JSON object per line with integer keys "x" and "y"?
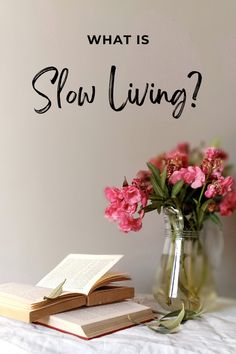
{"x": 91, "y": 322}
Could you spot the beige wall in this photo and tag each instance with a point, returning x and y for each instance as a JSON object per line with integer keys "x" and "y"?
{"x": 55, "y": 166}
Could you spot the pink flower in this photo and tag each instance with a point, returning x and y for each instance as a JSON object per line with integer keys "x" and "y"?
{"x": 211, "y": 191}
{"x": 113, "y": 194}
{"x": 178, "y": 158}
{"x": 124, "y": 203}
{"x": 221, "y": 186}
{"x": 113, "y": 212}
{"x": 194, "y": 176}
{"x": 213, "y": 153}
{"x": 213, "y": 168}
{"x": 183, "y": 147}
{"x": 195, "y": 168}
{"x": 176, "y": 176}
{"x": 143, "y": 175}
{"x": 217, "y": 169}
{"x": 127, "y": 223}
{"x": 129, "y": 208}
{"x": 191, "y": 175}
{"x": 213, "y": 162}
{"x": 144, "y": 185}
{"x": 228, "y": 204}
{"x": 175, "y": 160}
{"x": 226, "y": 184}
{"x": 132, "y": 195}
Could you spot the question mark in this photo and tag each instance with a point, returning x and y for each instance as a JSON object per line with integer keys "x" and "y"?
{"x": 197, "y": 87}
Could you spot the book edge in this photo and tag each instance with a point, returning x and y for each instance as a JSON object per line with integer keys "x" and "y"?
{"x": 89, "y": 338}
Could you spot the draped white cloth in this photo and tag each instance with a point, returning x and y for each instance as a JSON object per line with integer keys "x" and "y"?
{"x": 214, "y": 333}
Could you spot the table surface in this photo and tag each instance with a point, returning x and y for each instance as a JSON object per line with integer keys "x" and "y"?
{"x": 215, "y": 333}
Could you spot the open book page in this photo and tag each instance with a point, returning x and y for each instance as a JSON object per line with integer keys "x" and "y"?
{"x": 81, "y": 272}
{"x": 22, "y": 293}
{"x": 109, "y": 278}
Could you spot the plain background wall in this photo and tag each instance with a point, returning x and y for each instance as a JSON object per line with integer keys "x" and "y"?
{"x": 54, "y": 167}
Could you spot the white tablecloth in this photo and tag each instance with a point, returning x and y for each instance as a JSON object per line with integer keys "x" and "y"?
{"x": 215, "y": 332}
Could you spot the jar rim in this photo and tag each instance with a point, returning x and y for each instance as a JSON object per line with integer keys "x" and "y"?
{"x": 193, "y": 234}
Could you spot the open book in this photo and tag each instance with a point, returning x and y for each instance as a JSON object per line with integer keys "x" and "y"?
{"x": 86, "y": 281}
{"x": 99, "y": 320}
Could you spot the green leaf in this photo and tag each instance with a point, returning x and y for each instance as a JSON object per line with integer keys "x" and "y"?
{"x": 203, "y": 211}
{"x": 177, "y": 187}
{"x": 150, "y": 207}
{"x": 163, "y": 330}
{"x": 166, "y": 191}
{"x": 158, "y": 183}
{"x": 215, "y": 218}
{"x": 155, "y": 172}
{"x": 55, "y": 292}
{"x": 171, "y": 314}
{"x": 155, "y": 198}
{"x": 163, "y": 178}
{"x": 215, "y": 143}
{"x": 159, "y": 205}
{"x": 172, "y": 324}
{"x": 189, "y": 314}
{"x": 156, "y": 187}
{"x": 166, "y": 324}
{"x": 183, "y": 193}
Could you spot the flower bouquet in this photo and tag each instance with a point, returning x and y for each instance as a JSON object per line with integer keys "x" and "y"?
{"x": 190, "y": 186}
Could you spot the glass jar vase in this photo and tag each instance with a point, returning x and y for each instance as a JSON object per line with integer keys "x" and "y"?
{"x": 185, "y": 274}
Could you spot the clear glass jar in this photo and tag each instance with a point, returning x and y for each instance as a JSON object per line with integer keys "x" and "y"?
{"x": 185, "y": 274}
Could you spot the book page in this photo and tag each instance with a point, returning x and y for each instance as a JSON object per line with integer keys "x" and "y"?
{"x": 81, "y": 272}
{"x": 23, "y": 293}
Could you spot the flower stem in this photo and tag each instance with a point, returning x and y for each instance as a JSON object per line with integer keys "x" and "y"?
{"x": 202, "y": 191}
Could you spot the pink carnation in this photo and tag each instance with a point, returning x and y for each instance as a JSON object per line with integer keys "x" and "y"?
{"x": 228, "y": 204}
{"x": 191, "y": 175}
{"x": 221, "y": 186}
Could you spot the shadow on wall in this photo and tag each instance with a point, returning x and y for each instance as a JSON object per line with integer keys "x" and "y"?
{"x": 225, "y": 273}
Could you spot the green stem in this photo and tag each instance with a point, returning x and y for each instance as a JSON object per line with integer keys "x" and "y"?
{"x": 199, "y": 204}
{"x": 204, "y": 268}
{"x": 202, "y": 191}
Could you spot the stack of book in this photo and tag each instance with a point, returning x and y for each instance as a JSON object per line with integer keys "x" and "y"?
{"x": 67, "y": 298}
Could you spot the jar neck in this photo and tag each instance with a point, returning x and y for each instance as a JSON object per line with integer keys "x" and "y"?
{"x": 173, "y": 230}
